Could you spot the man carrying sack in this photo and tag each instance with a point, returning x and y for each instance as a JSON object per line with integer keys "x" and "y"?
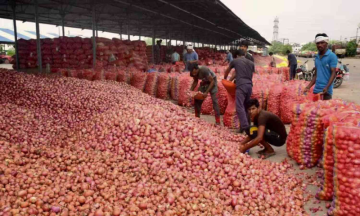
{"x": 208, "y": 85}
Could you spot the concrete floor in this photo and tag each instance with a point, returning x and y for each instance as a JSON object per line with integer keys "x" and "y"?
{"x": 349, "y": 91}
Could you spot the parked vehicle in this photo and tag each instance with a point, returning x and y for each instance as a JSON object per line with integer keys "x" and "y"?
{"x": 5, "y": 59}
{"x": 341, "y": 71}
{"x": 303, "y": 74}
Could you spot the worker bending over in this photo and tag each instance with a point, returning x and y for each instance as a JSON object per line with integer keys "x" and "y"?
{"x": 229, "y": 57}
{"x": 208, "y": 85}
{"x": 268, "y": 130}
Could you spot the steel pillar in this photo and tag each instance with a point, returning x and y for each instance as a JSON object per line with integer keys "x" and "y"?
{"x": 15, "y": 35}
{"x": 121, "y": 31}
{"x": 93, "y": 37}
{"x": 153, "y": 46}
{"x": 63, "y": 24}
{"x": 38, "y": 42}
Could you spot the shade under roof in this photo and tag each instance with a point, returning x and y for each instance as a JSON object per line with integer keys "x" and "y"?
{"x": 204, "y": 21}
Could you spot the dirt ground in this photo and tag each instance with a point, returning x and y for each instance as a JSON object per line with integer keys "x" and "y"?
{"x": 349, "y": 91}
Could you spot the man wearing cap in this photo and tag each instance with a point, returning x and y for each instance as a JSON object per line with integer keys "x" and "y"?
{"x": 325, "y": 68}
{"x": 190, "y": 57}
{"x": 208, "y": 85}
{"x": 229, "y": 57}
{"x": 244, "y": 45}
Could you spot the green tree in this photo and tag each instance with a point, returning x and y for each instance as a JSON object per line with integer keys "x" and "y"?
{"x": 276, "y": 47}
{"x": 309, "y": 47}
{"x": 286, "y": 48}
{"x": 351, "y": 48}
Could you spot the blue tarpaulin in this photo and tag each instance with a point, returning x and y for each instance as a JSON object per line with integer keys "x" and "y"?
{"x": 11, "y": 32}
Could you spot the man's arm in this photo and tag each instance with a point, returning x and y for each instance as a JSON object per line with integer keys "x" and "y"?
{"x": 227, "y": 71}
{"x": 212, "y": 84}
{"x": 232, "y": 77}
{"x": 246, "y": 140}
{"x": 312, "y": 82}
{"x": 331, "y": 80}
{"x": 254, "y": 142}
{"x": 193, "y": 86}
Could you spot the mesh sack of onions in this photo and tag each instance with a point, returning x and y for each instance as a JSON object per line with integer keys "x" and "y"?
{"x": 185, "y": 82}
{"x": 124, "y": 76}
{"x": 349, "y": 118}
{"x": 63, "y": 72}
{"x": 138, "y": 80}
{"x": 307, "y": 145}
{"x": 163, "y": 88}
{"x": 273, "y": 102}
{"x": 346, "y": 170}
{"x": 207, "y": 106}
{"x": 260, "y": 91}
{"x": 291, "y": 94}
{"x": 285, "y": 73}
{"x": 111, "y": 74}
{"x": 99, "y": 74}
{"x": 174, "y": 90}
{"x": 73, "y": 73}
{"x": 88, "y": 74}
{"x": 151, "y": 83}
{"x": 230, "y": 117}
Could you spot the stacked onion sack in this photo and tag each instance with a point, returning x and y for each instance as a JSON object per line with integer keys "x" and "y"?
{"x": 346, "y": 169}
{"x": 106, "y": 148}
{"x": 349, "y": 118}
{"x": 292, "y": 93}
{"x": 305, "y": 142}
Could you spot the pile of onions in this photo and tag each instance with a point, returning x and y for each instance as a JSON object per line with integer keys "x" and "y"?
{"x": 109, "y": 149}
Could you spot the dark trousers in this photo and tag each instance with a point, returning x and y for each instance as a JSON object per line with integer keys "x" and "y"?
{"x": 215, "y": 103}
{"x": 292, "y": 71}
{"x": 242, "y": 96}
{"x": 327, "y": 96}
{"x": 270, "y": 137}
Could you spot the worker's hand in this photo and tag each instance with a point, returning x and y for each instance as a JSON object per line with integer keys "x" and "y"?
{"x": 306, "y": 90}
{"x": 205, "y": 95}
{"x": 325, "y": 90}
{"x": 242, "y": 148}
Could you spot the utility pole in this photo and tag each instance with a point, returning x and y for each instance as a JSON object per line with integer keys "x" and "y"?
{"x": 357, "y": 30}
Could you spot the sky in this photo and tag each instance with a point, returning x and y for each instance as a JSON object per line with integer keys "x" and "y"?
{"x": 299, "y": 20}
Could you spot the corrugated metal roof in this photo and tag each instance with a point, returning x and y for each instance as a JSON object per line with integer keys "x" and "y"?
{"x": 204, "y": 21}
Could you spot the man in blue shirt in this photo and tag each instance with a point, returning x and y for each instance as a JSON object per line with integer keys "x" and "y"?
{"x": 229, "y": 57}
{"x": 190, "y": 57}
{"x": 325, "y": 68}
{"x": 292, "y": 64}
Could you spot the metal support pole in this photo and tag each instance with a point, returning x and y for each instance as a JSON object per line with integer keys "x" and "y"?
{"x": 96, "y": 27}
{"x": 93, "y": 37}
{"x": 15, "y": 34}
{"x": 121, "y": 31}
{"x": 63, "y": 24}
{"x": 153, "y": 46}
{"x": 38, "y": 42}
